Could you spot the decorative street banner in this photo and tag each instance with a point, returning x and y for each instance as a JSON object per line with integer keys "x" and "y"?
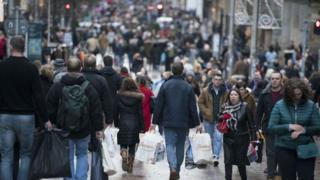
{"x": 270, "y": 13}
{"x": 35, "y": 41}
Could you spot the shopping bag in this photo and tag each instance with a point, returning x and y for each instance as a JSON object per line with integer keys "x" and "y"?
{"x": 201, "y": 148}
{"x": 260, "y": 145}
{"x": 252, "y": 151}
{"x": 96, "y": 165}
{"x": 110, "y": 140}
{"x": 50, "y": 156}
{"x": 151, "y": 148}
{"x": 107, "y": 163}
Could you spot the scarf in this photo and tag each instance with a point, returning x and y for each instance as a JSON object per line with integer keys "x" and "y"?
{"x": 233, "y": 121}
{"x": 232, "y": 108}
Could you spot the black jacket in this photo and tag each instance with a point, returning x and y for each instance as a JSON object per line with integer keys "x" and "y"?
{"x": 46, "y": 83}
{"x": 264, "y": 108}
{"x": 95, "y": 113}
{"x": 113, "y": 78}
{"x": 128, "y": 117}
{"x": 176, "y": 105}
{"x": 101, "y": 86}
{"x": 20, "y": 90}
{"x": 235, "y": 143}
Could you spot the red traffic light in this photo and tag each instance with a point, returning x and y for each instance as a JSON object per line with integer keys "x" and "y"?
{"x": 318, "y": 23}
{"x": 159, "y": 6}
{"x": 68, "y": 6}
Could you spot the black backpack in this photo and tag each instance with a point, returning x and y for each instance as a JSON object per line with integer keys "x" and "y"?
{"x": 73, "y": 111}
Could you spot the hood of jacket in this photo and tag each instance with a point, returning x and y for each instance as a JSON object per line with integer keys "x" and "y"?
{"x": 108, "y": 70}
{"x": 129, "y": 98}
{"x": 72, "y": 79}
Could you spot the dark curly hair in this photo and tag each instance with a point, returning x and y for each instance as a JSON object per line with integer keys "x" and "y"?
{"x": 293, "y": 84}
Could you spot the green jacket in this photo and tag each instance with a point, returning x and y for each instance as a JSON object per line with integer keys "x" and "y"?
{"x": 305, "y": 114}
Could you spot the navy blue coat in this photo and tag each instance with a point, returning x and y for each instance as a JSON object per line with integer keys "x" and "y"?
{"x": 176, "y": 105}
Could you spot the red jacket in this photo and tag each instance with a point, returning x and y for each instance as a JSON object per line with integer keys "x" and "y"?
{"x": 146, "y": 106}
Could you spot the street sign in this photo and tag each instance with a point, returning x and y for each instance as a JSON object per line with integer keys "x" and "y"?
{"x": 35, "y": 41}
{"x": 10, "y": 26}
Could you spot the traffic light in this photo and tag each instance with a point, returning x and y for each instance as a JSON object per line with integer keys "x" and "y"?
{"x": 316, "y": 29}
{"x": 160, "y": 8}
{"x": 68, "y": 6}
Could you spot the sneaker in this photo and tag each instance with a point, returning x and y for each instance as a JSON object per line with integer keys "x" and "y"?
{"x": 215, "y": 161}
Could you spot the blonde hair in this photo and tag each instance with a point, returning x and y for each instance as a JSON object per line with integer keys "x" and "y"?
{"x": 47, "y": 71}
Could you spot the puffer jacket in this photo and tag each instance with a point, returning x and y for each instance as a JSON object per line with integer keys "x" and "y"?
{"x": 128, "y": 116}
{"x": 305, "y": 114}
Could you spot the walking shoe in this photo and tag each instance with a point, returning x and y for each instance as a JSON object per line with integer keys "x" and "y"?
{"x": 173, "y": 175}
{"x": 124, "y": 155}
{"x": 130, "y": 163}
{"x": 215, "y": 161}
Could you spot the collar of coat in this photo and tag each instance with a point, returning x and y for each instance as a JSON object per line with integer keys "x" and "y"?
{"x": 131, "y": 94}
{"x": 267, "y": 90}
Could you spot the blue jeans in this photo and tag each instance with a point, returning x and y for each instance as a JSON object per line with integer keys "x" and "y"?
{"x": 216, "y": 137}
{"x": 175, "y": 140}
{"x": 189, "y": 155}
{"x": 79, "y": 147}
{"x": 12, "y": 128}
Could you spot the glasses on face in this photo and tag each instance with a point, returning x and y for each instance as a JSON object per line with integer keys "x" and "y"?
{"x": 217, "y": 79}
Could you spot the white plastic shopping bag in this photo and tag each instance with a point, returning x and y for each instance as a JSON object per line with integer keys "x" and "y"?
{"x": 151, "y": 148}
{"x": 110, "y": 137}
{"x": 107, "y": 163}
{"x": 201, "y": 148}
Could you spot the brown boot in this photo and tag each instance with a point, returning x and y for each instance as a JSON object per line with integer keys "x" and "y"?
{"x": 130, "y": 163}
{"x": 173, "y": 175}
{"x": 124, "y": 155}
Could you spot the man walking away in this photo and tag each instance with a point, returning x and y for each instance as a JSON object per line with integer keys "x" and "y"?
{"x": 101, "y": 86}
{"x": 176, "y": 110}
{"x": 20, "y": 96}
{"x": 74, "y": 105}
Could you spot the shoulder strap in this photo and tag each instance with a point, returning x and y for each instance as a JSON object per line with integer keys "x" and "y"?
{"x": 85, "y": 84}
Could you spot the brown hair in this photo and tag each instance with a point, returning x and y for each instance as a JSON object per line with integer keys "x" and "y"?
{"x": 17, "y": 43}
{"x": 235, "y": 90}
{"x": 293, "y": 84}
{"x": 128, "y": 84}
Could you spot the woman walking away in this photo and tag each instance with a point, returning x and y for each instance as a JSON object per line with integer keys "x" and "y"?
{"x": 241, "y": 129}
{"x": 295, "y": 119}
{"x": 128, "y": 117}
{"x": 147, "y": 102}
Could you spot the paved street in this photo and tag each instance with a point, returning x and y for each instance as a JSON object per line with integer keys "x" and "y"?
{"x": 161, "y": 171}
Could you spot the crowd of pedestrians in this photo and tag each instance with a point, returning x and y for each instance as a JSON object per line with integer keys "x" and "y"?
{"x": 106, "y": 82}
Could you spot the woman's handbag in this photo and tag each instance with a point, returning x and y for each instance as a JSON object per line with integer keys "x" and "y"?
{"x": 307, "y": 151}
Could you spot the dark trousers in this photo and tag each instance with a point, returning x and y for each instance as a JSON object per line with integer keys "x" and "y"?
{"x": 270, "y": 152}
{"x": 241, "y": 168}
{"x": 291, "y": 166}
{"x": 132, "y": 148}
